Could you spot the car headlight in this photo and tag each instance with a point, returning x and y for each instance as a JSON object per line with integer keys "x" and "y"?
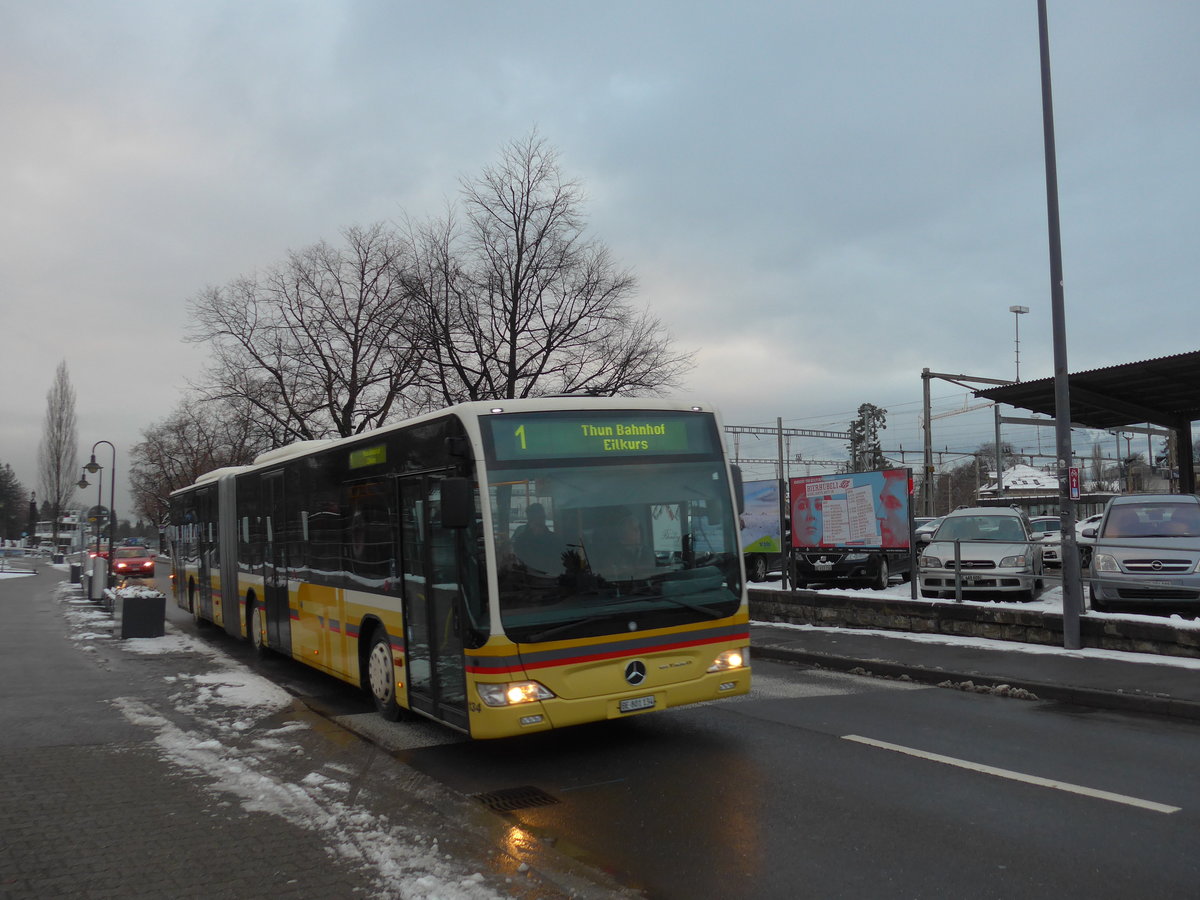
{"x": 1014, "y": 562}
{"x": 1105, "y": 562}
{"x": 929, "y": 562}
{"x": 731, "y": 659}
{"x": 512, "y": 693}
{"x": 857, "y": 557}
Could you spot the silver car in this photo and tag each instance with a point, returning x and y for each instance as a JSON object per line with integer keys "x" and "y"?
{"x": 1146, "y": 553}
{"x": 997, "y": 555}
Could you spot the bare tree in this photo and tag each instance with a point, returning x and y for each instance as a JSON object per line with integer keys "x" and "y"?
{"x": 519, "y": 303}
{"x": 322, "y": 345}
{"x": 58, "y": 460}
{"x": 196, "y": 438}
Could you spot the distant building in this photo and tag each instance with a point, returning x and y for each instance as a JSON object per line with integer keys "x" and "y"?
{"x": 1036, "y": 492}
{"x": 71, "y": 530}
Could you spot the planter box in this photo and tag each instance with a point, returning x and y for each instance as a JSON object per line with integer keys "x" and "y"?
{"x": 139, "y": 614}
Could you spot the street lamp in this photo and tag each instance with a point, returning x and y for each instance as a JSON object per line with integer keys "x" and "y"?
{"x": 95, "y": 467}
{"x": 83, "y": 483}
{"x": 1017, "y": 312}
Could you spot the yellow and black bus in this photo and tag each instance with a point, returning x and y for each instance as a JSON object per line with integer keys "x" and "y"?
{"x": 502, "y": 567}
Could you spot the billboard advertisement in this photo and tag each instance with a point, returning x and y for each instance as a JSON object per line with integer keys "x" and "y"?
{"x": 862, "y": 509}
{"x": 760, "y": 520}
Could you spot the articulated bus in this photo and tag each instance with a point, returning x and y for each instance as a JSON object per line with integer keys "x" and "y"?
{"x": 501, "y": 567}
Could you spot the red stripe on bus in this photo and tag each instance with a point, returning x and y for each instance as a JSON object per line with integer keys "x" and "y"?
{"x": 611, "y": 654}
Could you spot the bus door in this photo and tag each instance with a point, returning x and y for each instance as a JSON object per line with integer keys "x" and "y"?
{"x": 433, "y": 603}
{"x": 202, "y": 600}
{"x": 275, "y": 573}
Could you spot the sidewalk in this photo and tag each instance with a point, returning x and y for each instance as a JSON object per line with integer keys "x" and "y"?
{"x": 1096, "y": 678}
{"x": 160, "y": 768}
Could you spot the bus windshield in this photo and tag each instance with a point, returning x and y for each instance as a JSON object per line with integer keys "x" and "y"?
{"x": 604, "y": 547}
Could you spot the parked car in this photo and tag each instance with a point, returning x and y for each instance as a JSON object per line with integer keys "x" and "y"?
{"x": 1085, "y": 541}
{"x": 926, "y": 526}
{"x": 1146, "y": 553}
{"x": 997, "y": 555}
{"x": 1048, "y": 529}
{"x": 132, "y": 562}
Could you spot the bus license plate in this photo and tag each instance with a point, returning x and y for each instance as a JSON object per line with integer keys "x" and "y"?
{"x": 636, "y": 703}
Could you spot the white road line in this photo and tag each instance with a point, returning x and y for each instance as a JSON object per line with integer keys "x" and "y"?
{"x": 1016, "y": 776}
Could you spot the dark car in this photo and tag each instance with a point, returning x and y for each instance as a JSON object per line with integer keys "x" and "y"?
{"x": 870, "y": 567}
{"x": 1146, "y": 553}
{"x": 132, "y": 562}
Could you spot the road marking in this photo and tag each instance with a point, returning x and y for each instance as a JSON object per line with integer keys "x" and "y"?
{"x": 1016, "y": 776}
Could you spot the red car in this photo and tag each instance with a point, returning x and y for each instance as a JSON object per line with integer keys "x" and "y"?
{"x": 133, "y": 562}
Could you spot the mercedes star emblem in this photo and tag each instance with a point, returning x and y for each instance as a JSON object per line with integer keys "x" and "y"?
{"x": 635, "y": 672}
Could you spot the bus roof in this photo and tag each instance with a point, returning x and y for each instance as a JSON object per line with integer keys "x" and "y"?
{"x": 470, "y": 410}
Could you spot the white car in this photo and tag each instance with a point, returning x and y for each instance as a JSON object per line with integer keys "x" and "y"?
{"x": 996, "y": 555}
{"x": 1048, "y": 529}
{"x": 1085, "y": 541}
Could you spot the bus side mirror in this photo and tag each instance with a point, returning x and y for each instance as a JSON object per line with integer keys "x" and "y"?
{"x": 737, "y": 489}
{"x": 458, "y": 503}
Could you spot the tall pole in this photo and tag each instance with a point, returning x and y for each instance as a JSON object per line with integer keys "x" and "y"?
{"x": 1017, "y": 312}
{"x": 783, "y": 501}
{"x": 927, "y": 475}
{"x": 999, "y": 455}
{"x": 1072, "y": 580}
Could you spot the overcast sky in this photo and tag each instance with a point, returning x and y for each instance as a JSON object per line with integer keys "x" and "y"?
{"x": 820, "y": 199}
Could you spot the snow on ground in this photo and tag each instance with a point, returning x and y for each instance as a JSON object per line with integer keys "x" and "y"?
{"x": 225, "y": 703}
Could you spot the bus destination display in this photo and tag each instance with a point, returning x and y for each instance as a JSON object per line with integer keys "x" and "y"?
{"x": 541, "y": 437}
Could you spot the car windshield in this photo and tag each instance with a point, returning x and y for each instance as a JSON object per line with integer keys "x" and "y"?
{"x": 130, "y": 552}
{"x": 587, "y": 550}
{"x": 981, "y": 528}
{"x": 1048, "y": 525}
{"x": 1153, "y": 520}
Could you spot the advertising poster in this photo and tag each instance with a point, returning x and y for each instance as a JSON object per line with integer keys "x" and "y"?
{"x": 863, "y": 509}
{"x": 760, "y": 521}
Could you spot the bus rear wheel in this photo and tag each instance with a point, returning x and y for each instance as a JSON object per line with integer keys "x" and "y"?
{"x": 194, "y": 606}
{"x": 381, "y": 676}
{"x": 255, "y": 627}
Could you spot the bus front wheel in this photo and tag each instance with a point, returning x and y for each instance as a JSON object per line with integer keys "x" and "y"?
{"x": 255, "y": 627}
{"x": 381, "y": 676}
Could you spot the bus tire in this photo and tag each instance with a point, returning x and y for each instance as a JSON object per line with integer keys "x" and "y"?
{"x": 255, "y": 626}
{"x": 194, "y": 606}
{"x": 381, "y": 676}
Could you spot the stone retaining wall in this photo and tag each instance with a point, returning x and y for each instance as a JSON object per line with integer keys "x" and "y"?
{"x": 1030, "y": 626}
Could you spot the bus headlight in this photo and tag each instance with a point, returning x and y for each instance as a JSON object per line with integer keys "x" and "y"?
{"x": 731, "y": 659}
{"x": 512, "y": 693}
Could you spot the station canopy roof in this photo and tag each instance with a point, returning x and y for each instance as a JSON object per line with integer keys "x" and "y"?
{"x": 1163, "y": 391}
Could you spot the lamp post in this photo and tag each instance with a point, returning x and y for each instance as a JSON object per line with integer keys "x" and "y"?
{"x": 95, "y": 467}
{"x": 83, "y": 483}
{"x": 1017, "y": 312}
